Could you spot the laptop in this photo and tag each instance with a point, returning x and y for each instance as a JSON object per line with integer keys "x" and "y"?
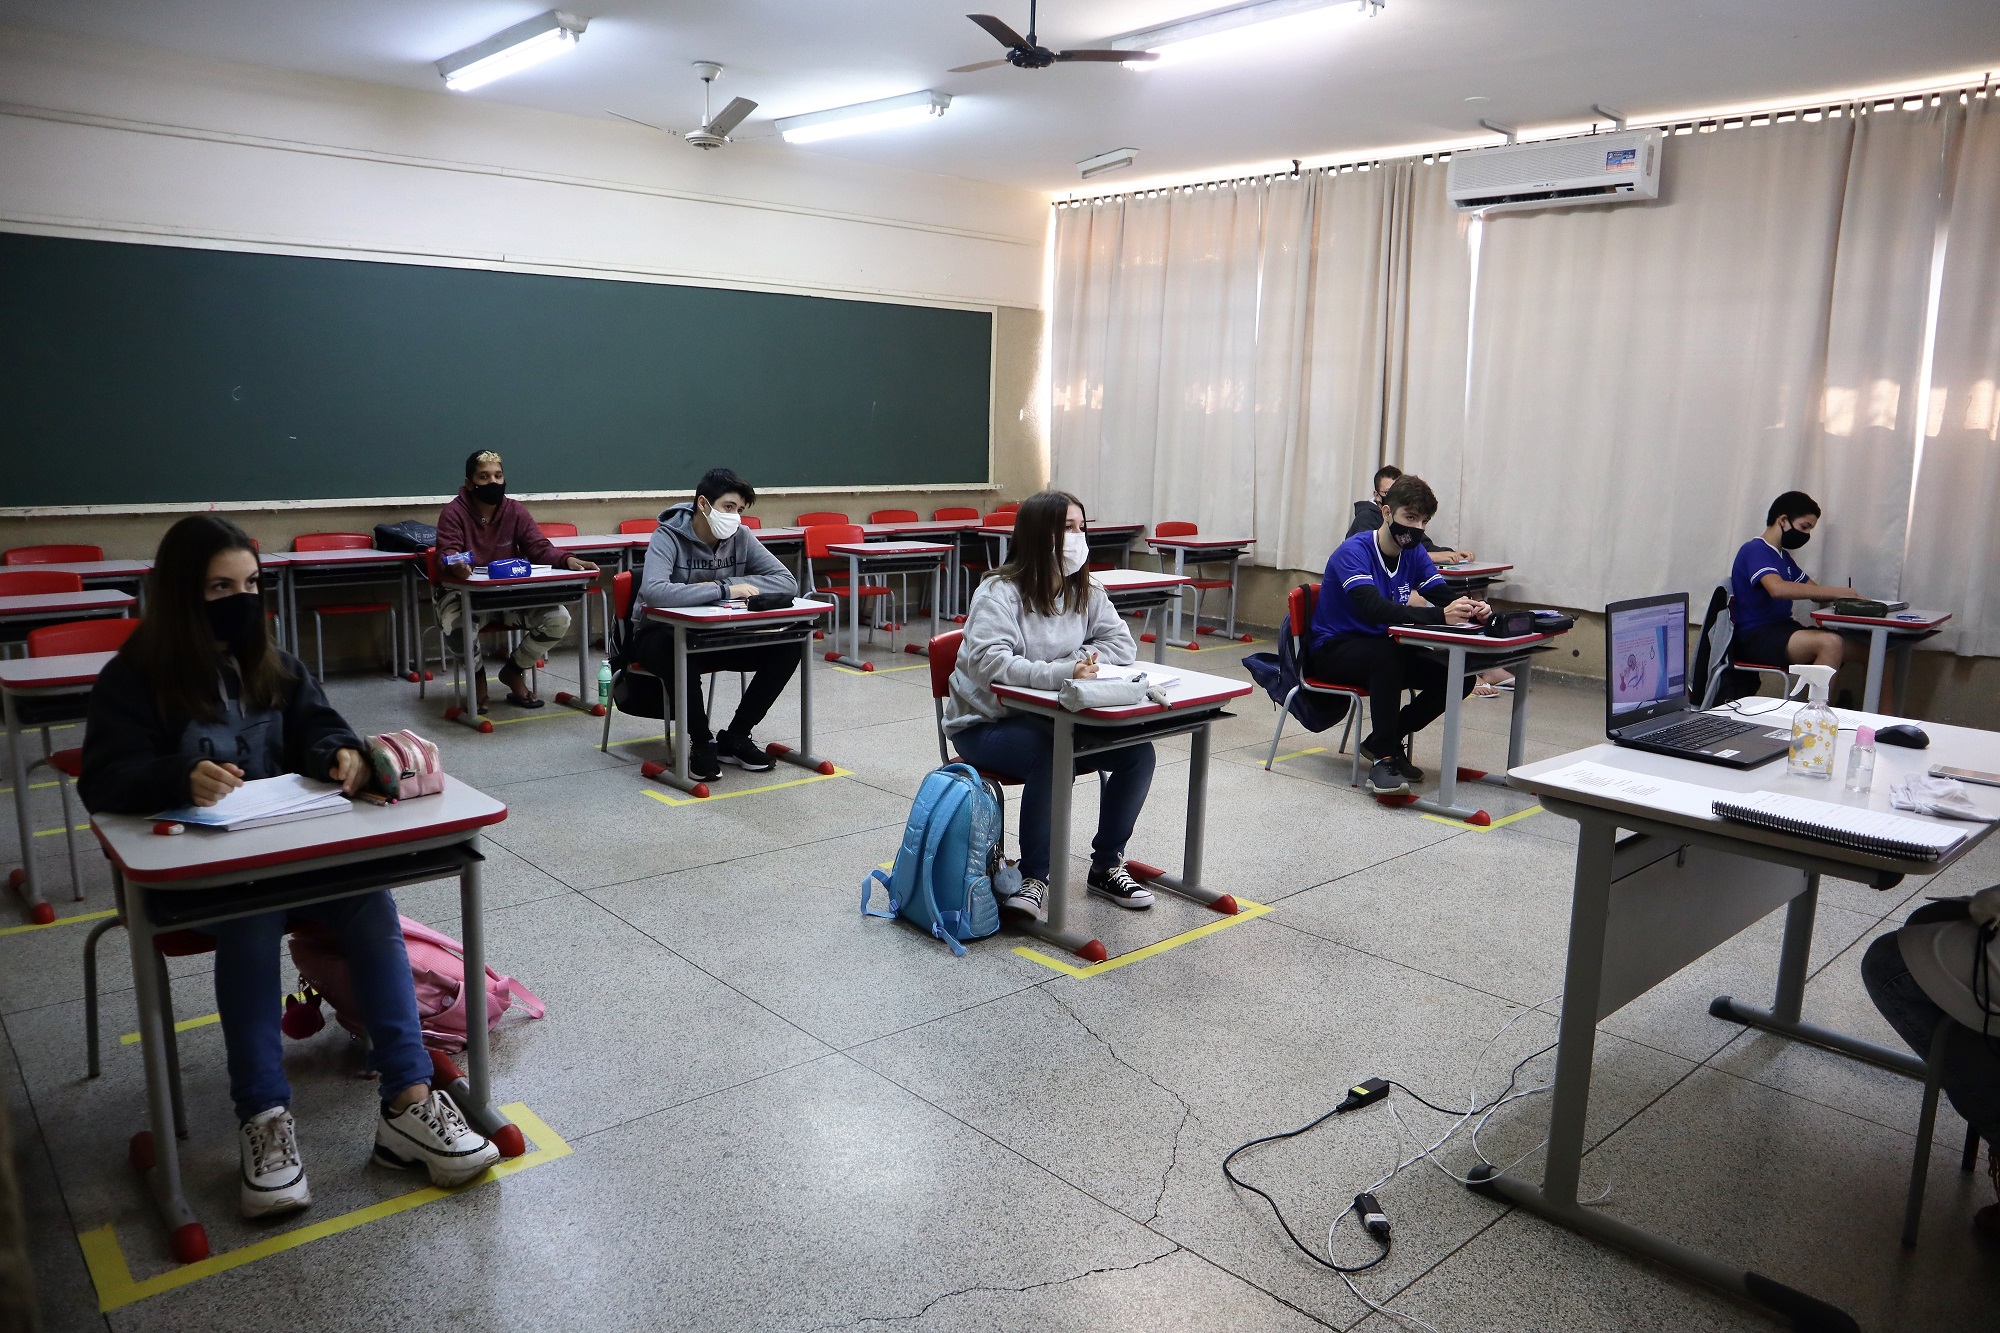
{"x": 1646, "y": 692}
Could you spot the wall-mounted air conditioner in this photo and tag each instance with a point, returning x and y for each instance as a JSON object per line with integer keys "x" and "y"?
{"x": 1592, "y": 169}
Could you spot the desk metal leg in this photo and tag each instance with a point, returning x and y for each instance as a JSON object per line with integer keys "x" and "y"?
{"x": 1188, "y": 883}
{"x": 1180, "y": 599}
{"x": 1878, "y": 646}
{"x": 937, "y": 589}
{"x": 678, "y": 775}
{"x": 1062, "y": 770}
{"x": 1446, "y": 802}
{"x": 1794, "y": 957}
{"x": 1904, "y": 646}
{"x": 1517, "y": 730}
{"x": 852, "y": 657}
{"x": 585, "y": 698}
{"x": 1159, "y": 633}
{"x": 803, "y": 756}
{"x": 468, "y": 700}
{"x": 156, "y": 1152}
{"x": 24, "y": 882}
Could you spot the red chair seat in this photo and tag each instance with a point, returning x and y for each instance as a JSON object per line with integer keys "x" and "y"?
{"x": 987, "y": 773}
{"x": 353, "y": 609}
{"x": 1355, "y": 690}
{"x": 1742, "y": 665}
{"x": 183, "y": 943}
{"x": 1209, "y": 583}
{"x": 866, "y": 590}
{"x": 69, "y": 763}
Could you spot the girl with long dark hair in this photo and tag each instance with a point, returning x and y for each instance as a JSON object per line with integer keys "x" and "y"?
{"x": 1037, "y": 621}
{"x": 198, "y": 702}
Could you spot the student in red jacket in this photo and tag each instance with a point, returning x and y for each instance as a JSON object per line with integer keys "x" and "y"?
{"x": 482, "y": 523}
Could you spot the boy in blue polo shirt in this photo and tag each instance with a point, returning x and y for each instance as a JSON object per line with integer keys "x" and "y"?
{"x": 1374, "y": 580}
{"x": 1764, "y": 582}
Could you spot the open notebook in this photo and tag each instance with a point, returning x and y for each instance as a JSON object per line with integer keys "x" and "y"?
{"x": 262, "y": 801}
{"x": 1863, "y": 830}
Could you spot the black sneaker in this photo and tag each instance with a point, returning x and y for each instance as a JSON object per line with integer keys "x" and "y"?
{"x": 742, "y": 752}
{"x": 1385, "y": 780}
{"x": 703, "y": 765}
{"x": 1025, "y": 900}
{"x": 1118, "y": 885}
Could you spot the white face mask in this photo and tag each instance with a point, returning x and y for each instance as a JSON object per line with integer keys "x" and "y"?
{"x": 723, "y": 524}
{"x": 1076, "y": 553}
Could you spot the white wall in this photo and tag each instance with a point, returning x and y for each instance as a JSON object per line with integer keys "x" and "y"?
{"x": 133, "y": 144}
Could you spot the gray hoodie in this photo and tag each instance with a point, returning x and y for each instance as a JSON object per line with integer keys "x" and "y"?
{"x": 682, "y": 570}
{"x": 1006, "y": 643}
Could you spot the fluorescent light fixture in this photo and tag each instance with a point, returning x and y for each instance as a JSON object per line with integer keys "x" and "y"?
{"x": 863, "y": 117}
{"x": 512, "y": 50}
{"x": 1221, "y": 31}
{"x": 1103, "y": 162}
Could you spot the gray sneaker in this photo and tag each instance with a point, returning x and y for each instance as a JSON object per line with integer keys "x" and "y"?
{"x": 1384, "y": 780}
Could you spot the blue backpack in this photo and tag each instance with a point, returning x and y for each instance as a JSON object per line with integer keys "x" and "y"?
{"x": 943, "y": 877}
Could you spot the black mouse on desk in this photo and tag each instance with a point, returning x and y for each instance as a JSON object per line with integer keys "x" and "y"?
{"x": 1903, "y": 734}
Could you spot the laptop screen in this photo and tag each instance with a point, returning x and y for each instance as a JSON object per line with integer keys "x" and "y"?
{"x": 1648, "y": 654}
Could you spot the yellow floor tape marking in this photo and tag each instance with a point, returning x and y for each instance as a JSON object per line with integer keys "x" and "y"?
{"x": 1299, "y": 754}
{"x": 880, "y": 671}
{"x": 555, "y": 710}
{"x": 32, "y": 786}
{"x": 185, "y": 1025}
{"x": 60, "y": 921}
{"x": 1245, "y": 911}
{"x": 51, "y": 832}
{"x": 117, "y": 1288}
{"x": 665, "y": 799}
{"x": 1486, "y": 828}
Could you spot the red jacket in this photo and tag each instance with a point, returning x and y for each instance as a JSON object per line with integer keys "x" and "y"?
{"x": 512, "y": 533}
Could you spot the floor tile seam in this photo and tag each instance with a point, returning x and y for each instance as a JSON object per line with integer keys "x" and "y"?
{"x": 982, "y": 1288}
{"x": 731, "y": 860}
{"x": 1252, "y": 1281}
{"x": 1410, "y": 967}
{"x": 693, "y": 1099}
{"x": 907, "y": 1028}
{"x": 1851, "y": 1114}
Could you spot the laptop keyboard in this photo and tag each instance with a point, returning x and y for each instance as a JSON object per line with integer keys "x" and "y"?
{"x": 1699, "y": 731}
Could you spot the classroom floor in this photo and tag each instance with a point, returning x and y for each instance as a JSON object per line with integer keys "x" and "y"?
{"x": 764, "y": 1111}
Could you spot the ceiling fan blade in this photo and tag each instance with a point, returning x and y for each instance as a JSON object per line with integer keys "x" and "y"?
{"x": 984, "y": 64}
{"x": 1119, "y": 56}
{"x": 636, "y": 121}
{"x": 731, "y": 116}
{"x": 1002, "y": 34}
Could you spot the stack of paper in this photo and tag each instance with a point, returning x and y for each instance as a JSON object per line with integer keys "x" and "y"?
{"x": 264, "y": 801}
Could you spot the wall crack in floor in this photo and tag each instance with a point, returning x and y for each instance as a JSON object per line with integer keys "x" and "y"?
{"x": 1180, "y": 1127}
{"x": 974, "y": 1290}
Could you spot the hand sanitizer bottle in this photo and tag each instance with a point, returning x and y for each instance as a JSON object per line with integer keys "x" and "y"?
{"x": 1861, "y": 760}
{"x": 1814, "y": 727}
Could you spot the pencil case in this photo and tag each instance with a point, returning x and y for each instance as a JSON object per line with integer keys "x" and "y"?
{"x": 508, "y": 569}
{"x": 405, "y": 765}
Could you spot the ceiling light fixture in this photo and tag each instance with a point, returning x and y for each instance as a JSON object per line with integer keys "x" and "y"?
{"x": 1103, "y": 162}
{"x": 512, "y": 50}
{"x": 864, "y": 117}
{"x": 1220, "y": 30}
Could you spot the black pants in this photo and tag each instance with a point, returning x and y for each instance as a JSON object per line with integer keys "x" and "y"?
{"x": 770, "y": 671}
{"x": 1385, "y": 668}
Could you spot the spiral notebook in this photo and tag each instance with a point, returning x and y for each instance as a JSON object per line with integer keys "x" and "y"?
{"x": 1863, "y": 830}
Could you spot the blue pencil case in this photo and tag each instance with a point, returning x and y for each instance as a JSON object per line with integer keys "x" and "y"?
{"x": 509, "y": 569}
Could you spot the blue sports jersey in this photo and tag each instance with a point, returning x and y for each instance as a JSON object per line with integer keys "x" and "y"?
{"x": 1359, "y": 560}
{"x": 1755, "y": 607}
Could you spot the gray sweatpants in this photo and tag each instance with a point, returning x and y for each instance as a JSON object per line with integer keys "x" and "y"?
{"x": 544, "y": 626}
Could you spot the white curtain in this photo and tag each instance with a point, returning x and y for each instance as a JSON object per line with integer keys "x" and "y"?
{"x": 1954, "y": 560}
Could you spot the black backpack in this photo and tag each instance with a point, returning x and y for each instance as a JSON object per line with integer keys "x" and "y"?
{"x": 409, "y": 535}
{"x": 1278, "y": 673}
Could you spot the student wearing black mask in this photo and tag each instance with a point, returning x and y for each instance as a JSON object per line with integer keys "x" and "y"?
{"x": 1368, "y": 517}
{"x": 1764, "y": 582}
{"x": 195, "y": 704}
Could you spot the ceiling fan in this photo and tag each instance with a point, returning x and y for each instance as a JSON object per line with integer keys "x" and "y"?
{"x": 1024, "y": 53}
{"x": 714, "y": 131}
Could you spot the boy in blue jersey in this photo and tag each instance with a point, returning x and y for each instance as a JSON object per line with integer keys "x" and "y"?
{"x": 1764, "y": 582}
{"x": 1374, "y": 580}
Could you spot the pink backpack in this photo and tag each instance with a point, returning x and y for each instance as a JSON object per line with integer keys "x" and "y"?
{"x": 437, "y": 969}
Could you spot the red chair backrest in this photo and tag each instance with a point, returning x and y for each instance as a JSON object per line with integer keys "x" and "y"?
{"x": 942, "y": 515}
{"x": 822, "y": 535}
{"x": 752, "y": 521}
{"x": 1299, "y": 604}
{"x": 819, "y": 519}
{"x": 631, "y": 525}
{"x": 332, "y": 541}
{"x": 80, "y": 636}
{"x": 893, "y": 516}
{"x": 1007, "y": 508}
{"x": 30, "y": 582}
{"x": 431, "y": 563}
{"x": 1174, "y": 529}
{"x": 557, "y": 529}
{"x": 944, "y": 656}
{"x": 51, "y": 555}
{"x": 621, "y": 594}
{"x": 1000, "y": 518}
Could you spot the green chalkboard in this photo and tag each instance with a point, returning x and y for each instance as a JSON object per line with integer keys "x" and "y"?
{"x": 149, "y": 374}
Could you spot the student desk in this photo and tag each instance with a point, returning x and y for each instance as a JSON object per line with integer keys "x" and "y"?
{"x": 1194, "y": 702}
{"x": 1472, "y": 652}
{"x": 35, "y": 691}
{"x": 719, "y": 627}
{"x": 481, "y": 596}
{"x": 936, "y": 530}
{"x": 784, "y": 542}
{"x": 204, "y": 877}
{"x": 1682, "y": 883}
{"x": 883, "y": 558}
{"x": 1906, "y": 628}
{"x": 123, "y": 575}
{"x": 1472, "y": 578}
{"x": 348, "y": 569}
{"x": 1110, "y": 541}
{"x": 1142, "y": 590}
{"x": 610, "y": 549}
{"x": 42, "y": 608}
{"x": 1201, "y": 551}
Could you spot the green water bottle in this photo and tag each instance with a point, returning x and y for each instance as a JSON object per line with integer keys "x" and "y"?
{"x": 603, "y": 684}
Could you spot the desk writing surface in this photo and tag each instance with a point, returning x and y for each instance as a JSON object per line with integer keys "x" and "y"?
{"x": 1193, "y": 689}
{"x": 47, "y": 673}
{"x": 1472, "y": 569}
{"x": 1912, "y": 621}
{"x": 717, "y": 614}
{"x": 777, "y": 534}
{"x": 541, "y": 574}
{"x": 1474, "y": 640}
{"x": 351, "y": 556}
{"x": 877, "y": 550}
{"x": 96, "y": 569}
{"x": 90, "y": 599}
{"x": 1203, "y": 543}
{"x": 1135, "y": 580}
{"x": 149, "y": 858}
{"x": 603, "y": 541}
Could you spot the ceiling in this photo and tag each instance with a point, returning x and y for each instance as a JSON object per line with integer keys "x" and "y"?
{"x": 1338, "y": 85}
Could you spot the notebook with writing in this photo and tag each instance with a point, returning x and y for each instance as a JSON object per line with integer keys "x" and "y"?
{"x": 1843, "y": 825}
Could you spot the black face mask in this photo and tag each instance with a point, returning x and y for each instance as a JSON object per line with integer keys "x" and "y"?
{"x": 1403, "y": 536}
{"x": 492, "y": 493}
{"x": 1792, "y": 539}
{"x": 236, "y": 618}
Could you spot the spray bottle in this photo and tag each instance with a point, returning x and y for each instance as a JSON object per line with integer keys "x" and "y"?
{"x": 1814, "y": 727}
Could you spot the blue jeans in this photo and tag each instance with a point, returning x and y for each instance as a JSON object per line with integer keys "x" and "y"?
{"x": 1971, "y": 1067}
{"x": 1022, "y": 747}
{"x": 249, "y": 988}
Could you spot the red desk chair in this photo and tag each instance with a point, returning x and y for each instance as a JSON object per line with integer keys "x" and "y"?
{"x": 954, "y": 512}
{"x": 32, "y": 583}
{"x": 557, "y": 529}
{"x": 834, "y": 584}
{"x": 752, "y": 522}
{"x": 347, "y": 541}
{"x": 944, "y": 657}
{"x": 898, "y": 516}
{"x": 1007, "y": 508}
{"x": 168, "y": 944}
{"x": 1202, "y": 587}
{"x": 971, "y": 548}
{"x": 51, "y": 555}
{"x": 1299, "y": 613}
{"x": 819, "y": 518}
{"x": 638, "y": 525}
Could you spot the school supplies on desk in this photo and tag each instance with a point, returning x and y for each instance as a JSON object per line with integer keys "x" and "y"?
{"x": 1843, "y": 825}
{"x": 262, "y": 801}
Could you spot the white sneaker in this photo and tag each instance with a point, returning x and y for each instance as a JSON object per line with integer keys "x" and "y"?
{"x": 274, "y": 1179}
{"x": 1026, "y": 900}
{"x": 434, "y": 1135}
